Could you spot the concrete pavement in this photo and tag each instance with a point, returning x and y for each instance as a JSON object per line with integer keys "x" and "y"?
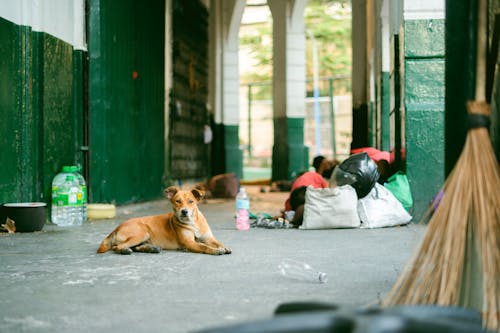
{"x": 53, "y": 280}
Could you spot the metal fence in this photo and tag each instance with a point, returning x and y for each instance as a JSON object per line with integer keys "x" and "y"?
{"x": 327, "y": 121}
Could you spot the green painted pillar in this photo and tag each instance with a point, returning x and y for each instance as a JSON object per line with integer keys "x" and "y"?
{"x": 227, "y": 156}
{"x": 385, "y": 122}
{"x": 233, "y": 154}
{"x": 424, "y": 105}
{"x": 290, "y": 155}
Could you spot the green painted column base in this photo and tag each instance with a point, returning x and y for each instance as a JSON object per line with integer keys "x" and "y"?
{"x": 385, "y": 123}
{"x": 425, "y": 158}
{"x": 227, "y": 157}
{"x": 290, "y": 155}
{"x": 424, "y": 106}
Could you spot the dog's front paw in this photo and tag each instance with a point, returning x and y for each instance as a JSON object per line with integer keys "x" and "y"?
{"x": 125, "y": 250}
{"x": 224, "y": 250}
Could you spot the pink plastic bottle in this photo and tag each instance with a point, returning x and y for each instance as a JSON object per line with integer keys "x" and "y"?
{"x": 242, "y": 210}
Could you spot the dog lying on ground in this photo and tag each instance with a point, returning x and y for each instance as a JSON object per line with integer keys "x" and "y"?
{"x": 183, "y": 229}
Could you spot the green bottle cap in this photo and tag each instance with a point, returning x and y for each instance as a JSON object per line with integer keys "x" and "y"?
{"x": 70, "y": 168}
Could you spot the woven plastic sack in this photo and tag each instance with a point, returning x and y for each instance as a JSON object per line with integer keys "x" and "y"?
{"x": 399, "y": 186}
{"x": 380, "y": 208}
{"x": 327, "y": 208}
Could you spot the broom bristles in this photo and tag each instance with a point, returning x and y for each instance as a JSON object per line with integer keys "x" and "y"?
{"x": 470, "y": 207}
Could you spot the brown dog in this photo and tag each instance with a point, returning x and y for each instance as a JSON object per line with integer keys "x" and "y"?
{"x": 183, "y": 229}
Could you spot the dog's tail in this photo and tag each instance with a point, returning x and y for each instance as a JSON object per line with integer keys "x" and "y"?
{"x": 106, "y": 244}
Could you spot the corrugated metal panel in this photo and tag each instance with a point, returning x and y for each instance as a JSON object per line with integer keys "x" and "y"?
{"x": 126, "y": 49}
{"x": 38, "y": 129}
{"x": 11, "y": 100}
{"x": 60, "y": 127}
{"x": 188, "y": 114}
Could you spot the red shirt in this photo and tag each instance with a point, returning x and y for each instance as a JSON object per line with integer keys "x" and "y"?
{"x": 309, "y": 178}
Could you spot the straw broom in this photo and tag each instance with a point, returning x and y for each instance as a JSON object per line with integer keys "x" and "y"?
{"x": 458, "y": 263}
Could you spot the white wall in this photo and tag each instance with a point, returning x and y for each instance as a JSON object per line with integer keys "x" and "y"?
{"x": 63, "y": 19}
{"x": 424, "y": 9}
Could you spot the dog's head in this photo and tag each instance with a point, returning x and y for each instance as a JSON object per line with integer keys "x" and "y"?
{"x": 184, "y": 202}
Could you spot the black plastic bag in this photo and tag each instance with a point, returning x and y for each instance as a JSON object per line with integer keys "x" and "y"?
{"x": 359, "y": 171}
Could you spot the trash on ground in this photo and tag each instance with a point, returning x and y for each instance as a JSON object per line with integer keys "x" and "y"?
{"x": 9, "y": 226}
{"x": 301, "y": 271}
{"x": 269, "y": 223}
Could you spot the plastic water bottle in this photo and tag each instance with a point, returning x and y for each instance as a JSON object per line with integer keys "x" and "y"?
{"x": 242, "y": 210}
{"x": 83, "y": 185}
{"x": 301, "y": 271}
{"x": 68, "y": 196}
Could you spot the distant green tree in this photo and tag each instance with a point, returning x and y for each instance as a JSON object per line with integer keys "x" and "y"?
{"x": 328, "y": 21}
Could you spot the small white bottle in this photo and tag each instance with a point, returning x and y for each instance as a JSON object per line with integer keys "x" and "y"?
{"x": 301, "y": 271}
{"x": 242, "y": 210}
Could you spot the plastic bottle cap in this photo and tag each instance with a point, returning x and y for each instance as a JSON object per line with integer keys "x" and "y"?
{"x": 323, "y": 278}
{"x": 69, "y": 168}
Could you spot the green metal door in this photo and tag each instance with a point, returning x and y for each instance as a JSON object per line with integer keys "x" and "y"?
{"x": 188, "y": 112}
{"x": 126, "y": 100}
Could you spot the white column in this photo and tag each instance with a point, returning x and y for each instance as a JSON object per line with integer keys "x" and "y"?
{"x": 224, "y": 87}
{"x": 359, "y": 54}
{"x": 288, "y": 57}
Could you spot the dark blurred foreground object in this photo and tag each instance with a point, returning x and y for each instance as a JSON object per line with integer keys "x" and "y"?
{"x": 310, "y": 317}
{"x": 458, "y": 263}
{"x": 359, "y": 171}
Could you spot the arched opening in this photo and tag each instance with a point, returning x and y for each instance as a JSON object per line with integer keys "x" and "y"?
{"x": 256, "y": 130}
{"x": 327, "y": 95}
{"x": 328, "y": 118}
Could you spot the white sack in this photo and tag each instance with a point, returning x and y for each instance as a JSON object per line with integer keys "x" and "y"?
{"x": 380, "y": 208}
{"x": 327, "y": 208}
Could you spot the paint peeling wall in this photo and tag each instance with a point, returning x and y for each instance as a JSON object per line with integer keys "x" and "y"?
{"x": 37, "y": 90}
{"x": 424, "y": 86}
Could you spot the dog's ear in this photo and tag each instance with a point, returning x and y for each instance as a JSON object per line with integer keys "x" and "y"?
{"x": 171, "y": 191}
{"x": 198, "y": 193}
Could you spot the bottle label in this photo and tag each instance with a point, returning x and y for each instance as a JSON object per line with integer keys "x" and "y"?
{"x": 242, "y": 204}
{"x": 243, "y": 214}
{"x": 84, "y": 194}
{"x": 73, "y": 197}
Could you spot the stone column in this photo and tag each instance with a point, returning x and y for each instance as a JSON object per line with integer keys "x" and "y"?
{"x": 424, "y": 87}
{"x": 290, "y": 155}
{"x": 224, "y": 80}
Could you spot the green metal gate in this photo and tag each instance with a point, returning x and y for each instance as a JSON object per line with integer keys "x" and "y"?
{"x": 189, "y": 155}
{"x": 126, "y": 100}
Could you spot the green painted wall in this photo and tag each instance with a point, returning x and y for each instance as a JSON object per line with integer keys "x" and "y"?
{"x": 126, "y": 100}
{"x": 61, "y": 128}
{"x": 188, "y": 108}
{"x": 16, "y": 112}
{"x": 290, "y": 156}
{"x": 424, "y": 106}
{"x": 39, "y": 129}
{"x": 385, "y": 129}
